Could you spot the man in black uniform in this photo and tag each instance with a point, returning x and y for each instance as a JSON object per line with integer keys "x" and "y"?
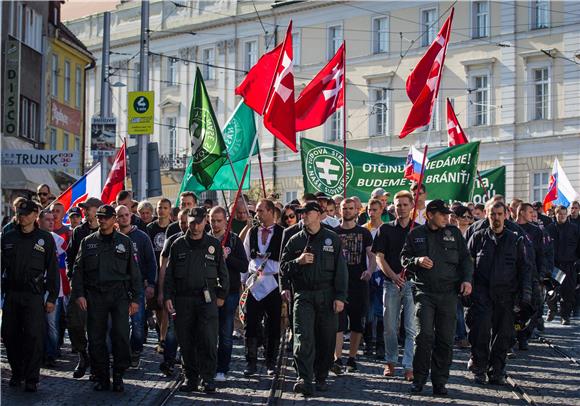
{"x": 262, "y": 245}
{"x": 542, "y": 218}
{"x": 76, "y": 318}
{"x": 196, "y": 285}
{"x": 438, "y": 256}
{"x": 28, "y": 253}
{"x": 107, "y": 283}
{"x": 566, "y": 239}
{"x": 312, "y": 264}
{"x": 187, "y": 200}
{"x": 535, "y": 238}
{"x": 502, "y": 279}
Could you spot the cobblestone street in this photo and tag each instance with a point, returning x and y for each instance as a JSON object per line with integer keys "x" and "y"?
{"x": 544, "y": 374}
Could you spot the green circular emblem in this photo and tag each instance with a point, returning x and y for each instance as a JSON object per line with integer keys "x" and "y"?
{"x": 325, "y": 170}
{"x": 233, "y": 135}
{"x": 203, "y": 135}
{"x": 141, "y": 104}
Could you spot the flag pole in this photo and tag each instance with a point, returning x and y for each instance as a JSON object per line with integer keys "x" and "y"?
{"x": 261, "y": 172}
{"x": 482, "y": 185}
{"x": 234, "y": 206}
{"x": 344, "y": 121}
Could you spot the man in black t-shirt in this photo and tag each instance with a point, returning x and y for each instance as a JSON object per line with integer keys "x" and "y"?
{"x": 397, "y": 291}
{"x": 357, "y": 242}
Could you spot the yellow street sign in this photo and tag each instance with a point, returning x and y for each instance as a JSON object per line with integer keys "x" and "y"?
{"x": 141, "y": 108}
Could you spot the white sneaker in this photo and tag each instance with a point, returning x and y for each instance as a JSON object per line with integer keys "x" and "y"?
{"x": 220, "y": 377}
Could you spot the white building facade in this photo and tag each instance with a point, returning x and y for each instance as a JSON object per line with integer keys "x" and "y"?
{"x": 512, "y": 73}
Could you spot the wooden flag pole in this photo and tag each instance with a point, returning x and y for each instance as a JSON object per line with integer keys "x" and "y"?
{"x": 344, "y": 121}
{"x": 229, "y": 227}
{"x": 261, "y": 173}
{"x": 483, "y": 186}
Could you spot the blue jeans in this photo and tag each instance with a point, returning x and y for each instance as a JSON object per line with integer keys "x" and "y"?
{"x": 138, "y": 327}
{"x": 226, "y": 329}
{"x": 460, "y": 330}
{"x": 52, "y": 330}
{"x": 393, "y": 298}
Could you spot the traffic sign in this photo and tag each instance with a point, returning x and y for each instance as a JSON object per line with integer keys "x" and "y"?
{"x": 141, "y": 108}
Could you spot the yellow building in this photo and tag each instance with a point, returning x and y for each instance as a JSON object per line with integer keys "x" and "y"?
{"x": 67, "y": 61}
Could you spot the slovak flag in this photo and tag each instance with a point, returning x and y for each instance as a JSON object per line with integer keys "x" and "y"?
{"x": 455, "y": 134}
{"x": 560, "y": 190}
{"x": 323, "y": 95}
{"x": 87, "y": 186}
{"x": 413, "y": 164}
{"x": 423, "y": 82}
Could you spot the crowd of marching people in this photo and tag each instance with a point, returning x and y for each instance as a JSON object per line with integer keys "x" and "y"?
{"x": 404, "y": 279}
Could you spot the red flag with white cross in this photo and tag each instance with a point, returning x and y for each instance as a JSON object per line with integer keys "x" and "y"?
{"x": 323, "y": 95}
{"x": 279, "y": 113}
{"x": 456, "y": 135}
{"x": 423, "y": 82}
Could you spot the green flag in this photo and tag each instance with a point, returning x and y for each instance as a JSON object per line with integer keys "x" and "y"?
{"x": 238, "y": 135}
{"x": 449, "y": 174}
{"x": 207, "y": 144}
{"x": 494, "y": 181}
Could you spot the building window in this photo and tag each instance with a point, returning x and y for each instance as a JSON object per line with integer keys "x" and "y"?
{"x": 540, "y": 185}
{"x": 66, "y": 81}
{"x": 172, "y": 136}
{"x": 65, "y": 142}
{"x": 428, "y": 27}
{"x": 380, "y": 35}
{"x": 290, "y": 195}
{"x": 33, "y": 117}
{"x": 33, "y": 29}
{"x": 78, "y": 87}
{"x": 481, "y": 93}
{"x": 480, "y": 19}
{"x": 541, "y": 94}
{"x": 250, "y": 54}
{"x": 208, "y": 58}
{"x": 24, "y": 118}
{"x": 380, "y": 111}
{"x": 54, "y": 76}
{"x": 334, "y": 39}
{"x": 172, "y": 71}
{"x": 296, "y": 47}
{"x": 77, "y": 144}
{"x": 334, "y": 126}
{"x": 540, "y": 14}
{"x": 53, "y": 139}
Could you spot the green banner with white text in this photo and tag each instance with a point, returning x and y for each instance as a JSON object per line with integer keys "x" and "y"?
{"x": 494, "y": 181}
{"x": 449, "y": 174}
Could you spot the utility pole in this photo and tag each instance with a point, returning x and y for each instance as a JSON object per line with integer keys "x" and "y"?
{"x": 142, "y": 140}
{"x": 106, "y": 111}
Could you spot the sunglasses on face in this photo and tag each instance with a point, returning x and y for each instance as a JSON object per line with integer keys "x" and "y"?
{"x": 467, "y": 217}
{"x": 42, "y": 194}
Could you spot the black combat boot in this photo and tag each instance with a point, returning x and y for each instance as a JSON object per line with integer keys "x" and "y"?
{"x": 251, "y": 356}
{"x": 82, "y": 366}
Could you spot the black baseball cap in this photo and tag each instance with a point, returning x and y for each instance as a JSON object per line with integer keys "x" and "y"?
{"x": 106, "y": 211}
{"x": 537, "y": 205}
{"x": 438, "y": 205}
{"x": 322, "y": 195}
{"x": 26, "y": 207}
{"x": 197, "y": 214}
{"x": 74, "y": 211}
{"x": 309, "y": 207}
{"x": 91, "y": 202}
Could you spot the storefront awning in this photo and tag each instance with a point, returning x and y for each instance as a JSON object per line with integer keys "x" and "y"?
{"x": 18, "y": 178}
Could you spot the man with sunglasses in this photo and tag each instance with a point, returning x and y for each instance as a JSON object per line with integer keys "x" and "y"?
{"x": 314, "y": 268}
{"x": 29, "y": 272}
{"x": 43, "y": 194}
{"x": 107, "y": 284}
{"x": 195, "y": 287}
